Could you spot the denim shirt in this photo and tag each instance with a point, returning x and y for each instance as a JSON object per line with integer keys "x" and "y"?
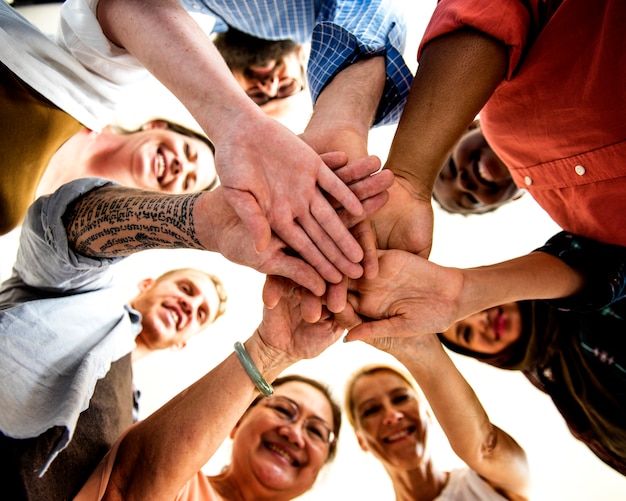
{"x": 62, "y": 324}
{"x": 340, "y": 32}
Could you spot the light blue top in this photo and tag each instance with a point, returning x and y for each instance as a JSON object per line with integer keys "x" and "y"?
{"x": 62, "y": 324}
{"x": 340, "y": 32}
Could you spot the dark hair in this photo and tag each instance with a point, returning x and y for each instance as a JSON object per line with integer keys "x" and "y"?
{"x": 241, "y": 50}
{"x": 336, "y": 409}
{"x": 509, "y": 357}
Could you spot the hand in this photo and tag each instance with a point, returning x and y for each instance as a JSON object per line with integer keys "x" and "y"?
{"x": 371, "y": 190}
{"x": 410, "y": 296}
{"x": 405, "y": 222}
{"x": 287, "y": 338}
{"x": 273, "y": 180}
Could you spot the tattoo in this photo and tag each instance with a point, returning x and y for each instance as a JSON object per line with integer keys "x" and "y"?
{"x": 115, "y": 221}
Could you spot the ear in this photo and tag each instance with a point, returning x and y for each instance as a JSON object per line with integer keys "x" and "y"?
{"x": 145, "y": 284}
{"x": 233, "y": 432}
{"x": 301, "y": 54}
{"x": 155, "y": 124}
{"x": 178, "y": 346}
{"x": 362, "y": 442}
{"x": 474, "y": 125}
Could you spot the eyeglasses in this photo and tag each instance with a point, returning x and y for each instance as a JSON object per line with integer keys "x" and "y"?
{"x": 287, "y": 87}
{"x": 287, "y": 411}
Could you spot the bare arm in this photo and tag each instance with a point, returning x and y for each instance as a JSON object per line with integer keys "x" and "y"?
{"x": 345, "y": 110}
{"x": 272, "y": 179}
{"x": 160, "y": 454}
{"x": 456, "y": 76}
{"x": 413, "y": 296}
{"x": 484, "y": 447}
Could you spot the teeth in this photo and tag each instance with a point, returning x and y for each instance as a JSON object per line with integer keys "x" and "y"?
{"x": 397, "y": 436}
{"x": 484, "y": 173}
{"x": 160, "y": 165}
{"x": 281, "y": 452}
{"x": 175, "y": 317}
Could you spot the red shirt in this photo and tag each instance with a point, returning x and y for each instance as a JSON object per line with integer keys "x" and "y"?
{"x": 558, "y": 121}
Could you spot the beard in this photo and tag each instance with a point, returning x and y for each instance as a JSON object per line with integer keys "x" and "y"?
{"x": 241, "y": 51}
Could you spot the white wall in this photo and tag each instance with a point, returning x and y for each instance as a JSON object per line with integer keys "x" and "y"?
{"x": 562, "y": 468}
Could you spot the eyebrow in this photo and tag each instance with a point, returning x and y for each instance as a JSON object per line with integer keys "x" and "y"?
{"x": 300, "y": 410}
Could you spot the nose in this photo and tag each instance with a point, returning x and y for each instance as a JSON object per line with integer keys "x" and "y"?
{"x": 464, "y": 179}
{"x": 392, "y": 415}
{"x": 294, "y": 432}
{"x": 181, "y": 166}
{"x": 269, "y": 85}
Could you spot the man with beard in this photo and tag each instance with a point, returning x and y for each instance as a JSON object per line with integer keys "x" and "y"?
{"x": 269, "y": 71}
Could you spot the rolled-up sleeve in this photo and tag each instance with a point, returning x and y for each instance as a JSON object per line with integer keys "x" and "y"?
{"x": 508, "y": 21}
{"x": 348, "y": 31}
{"x": 603, "y": 265}
{"x": 45, "y": 259}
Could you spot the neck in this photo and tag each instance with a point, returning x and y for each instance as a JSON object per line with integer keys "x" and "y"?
{"x": 229, "y": 488}
{"x": 423, "y": 483}
{"x": 73, "y": 160}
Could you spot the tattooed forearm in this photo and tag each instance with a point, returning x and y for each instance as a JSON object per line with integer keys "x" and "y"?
{"x": 115, "y": 221}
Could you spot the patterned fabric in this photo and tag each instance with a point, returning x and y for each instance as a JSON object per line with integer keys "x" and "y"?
{"x": 61, "y": 310}
{"x": 340, "y": 32}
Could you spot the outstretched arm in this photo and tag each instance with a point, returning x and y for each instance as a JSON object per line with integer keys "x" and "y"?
{"x": 484, "y": 447}
{"x": 457, "y": 74}
{"x": 413, "y": 296}
{"x": 272, "y": 179}
{"x": 111, "y": 221}
{"x": 159, "y": 455}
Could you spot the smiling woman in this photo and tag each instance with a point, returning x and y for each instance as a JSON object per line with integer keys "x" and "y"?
{"x": 561, "y": 467}
{"x": 46, "y": 132}
{"x": 160, "y": 156}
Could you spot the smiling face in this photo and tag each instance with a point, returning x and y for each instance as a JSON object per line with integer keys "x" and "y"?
{"x": 474, "y": 180}
{"x": 158, "y": 159}
{"x": 273, "y": 84}
{"x": 278, "y": 457}
{"x": 489, "y": 331}
{"x": 389, "y": 419}
{"x": 174, "y": 308}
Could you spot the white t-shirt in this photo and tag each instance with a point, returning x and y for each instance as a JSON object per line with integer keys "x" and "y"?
{"x": 466, "y": 485}
{"x": 86, "y": 84}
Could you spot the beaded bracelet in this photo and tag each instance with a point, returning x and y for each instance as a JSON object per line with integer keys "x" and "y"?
{"x": 257, "y": 378}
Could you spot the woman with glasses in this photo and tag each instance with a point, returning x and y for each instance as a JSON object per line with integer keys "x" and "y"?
{"x": 283, "y": 434}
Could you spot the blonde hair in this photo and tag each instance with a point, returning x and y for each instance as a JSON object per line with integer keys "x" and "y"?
{"x": 222, "y": 297}
{"x": 368, "y": 370}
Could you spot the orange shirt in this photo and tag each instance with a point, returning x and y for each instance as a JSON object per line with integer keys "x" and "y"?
{"x": 558, "y": 121}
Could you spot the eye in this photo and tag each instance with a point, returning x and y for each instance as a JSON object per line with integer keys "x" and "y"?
{"x": 467, "y": 334}
{"x": 400, "y": 399}
{"x": 318, "y": 430}
{"x": 284, "y": 410}
{"x": 288, "y": 88}
{"x": 472, "y": 199}
{"x": 186, "y": 288}
{"x": 202, "y": 315}
{"x": 452, "y": 167}
{"x": 369, "y": 411}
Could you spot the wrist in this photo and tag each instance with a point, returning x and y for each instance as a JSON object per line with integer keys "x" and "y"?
{"x": 269, "y": 361}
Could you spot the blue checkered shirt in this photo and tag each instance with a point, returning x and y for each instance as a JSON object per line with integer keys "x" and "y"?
{"x": 340, "y": 32}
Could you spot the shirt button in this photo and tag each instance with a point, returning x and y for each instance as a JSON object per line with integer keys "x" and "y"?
{"x": 580, "y": 170}
{"x": 528, "y": 180}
